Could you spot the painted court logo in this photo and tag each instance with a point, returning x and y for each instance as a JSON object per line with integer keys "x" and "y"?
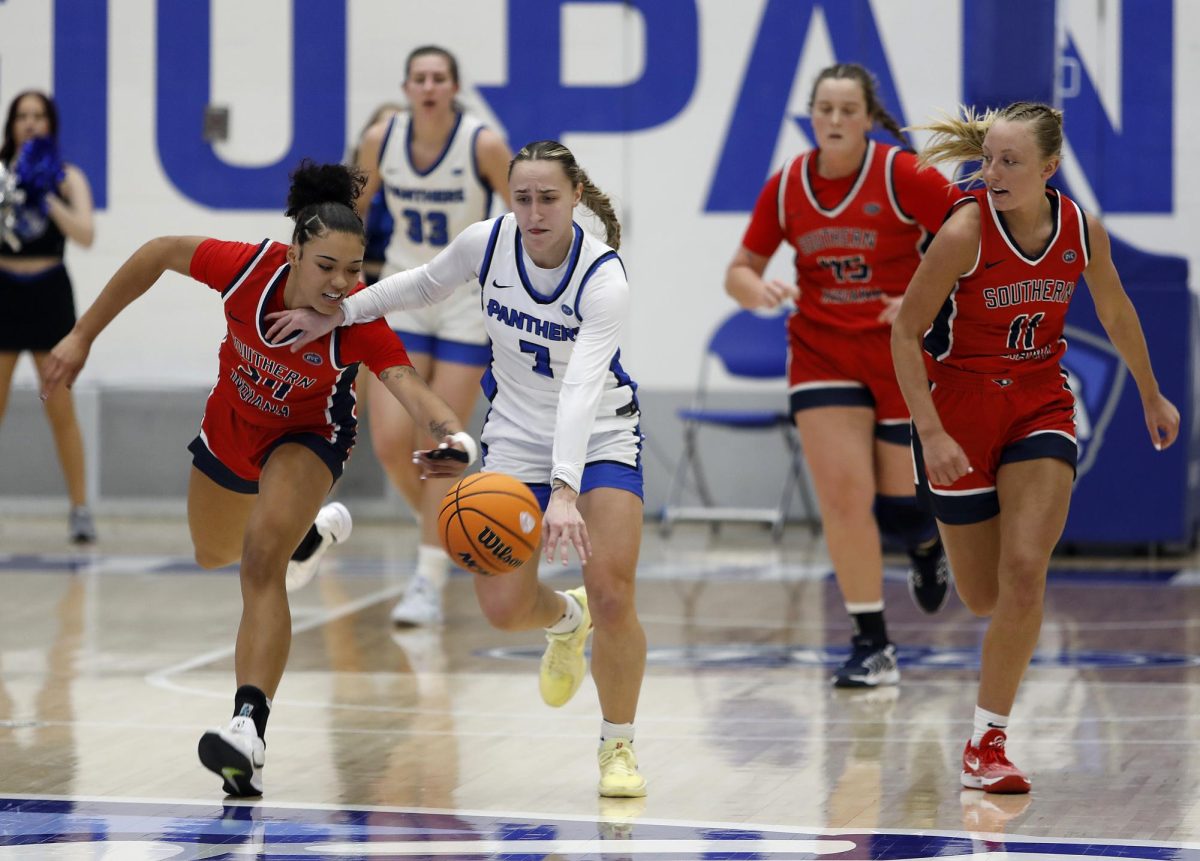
{"x": 186, "y": 831}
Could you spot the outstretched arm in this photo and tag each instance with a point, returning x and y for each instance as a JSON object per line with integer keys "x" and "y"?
{"x": 135, "y": 277}
{"x": 426, "y": 285}
{"x": 1120, "y": 320}
{"x": 433, "y": 415}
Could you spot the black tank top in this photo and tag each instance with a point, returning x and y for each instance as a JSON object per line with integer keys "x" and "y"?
{"x": 51, "y": 243}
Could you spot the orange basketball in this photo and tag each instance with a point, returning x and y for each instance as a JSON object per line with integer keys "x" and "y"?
{"x": 490, "y": 523}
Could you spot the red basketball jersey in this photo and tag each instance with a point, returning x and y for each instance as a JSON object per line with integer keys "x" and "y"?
{"x": 857, "y": 238}
{"x": 1005, "y": 317}
{"x": 268, "y": 384}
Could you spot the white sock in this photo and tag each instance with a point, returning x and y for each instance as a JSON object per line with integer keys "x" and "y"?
{"x": 864, "y": 607}
{"x": 433, "y": 564}
{"x": 570, "y": 619}
{"x": 616, "y": 730}
{"x": 985, "y": 720}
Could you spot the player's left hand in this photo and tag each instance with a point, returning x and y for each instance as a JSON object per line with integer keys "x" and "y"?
{"x": 1162, "y": 420}
{"x": 563, "y": 528}
{"x": 449, "y": 460}
{"x": 309, "y": 323}
{"x": 64, "y": 362}
{"x": 891, "y": 308}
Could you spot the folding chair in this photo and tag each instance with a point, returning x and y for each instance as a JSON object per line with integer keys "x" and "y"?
{"x": 750, "y": 346}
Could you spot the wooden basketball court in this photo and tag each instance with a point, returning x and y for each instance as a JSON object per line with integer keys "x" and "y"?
{"x": 435, "y": 743}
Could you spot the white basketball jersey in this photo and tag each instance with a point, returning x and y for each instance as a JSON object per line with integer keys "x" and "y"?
{"x": 430, "y": 207}
{"x": 533, "y": 330}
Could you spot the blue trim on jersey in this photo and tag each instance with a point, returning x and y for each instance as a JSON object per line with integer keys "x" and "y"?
{"x": 489, "y": 252}
{"x": 489, "y": 385}
{"x": 1055, "y": 206}
{"x": 623, "y": 378}
{"x": 601, "y": 473}
{"x": 586, "y": 275}
{"x": 341, "y": 409}
{"x": 475, "y": 164}
{"x": 387, "y": 136}
{"x": 236, "y": 278}
{"x": 576, "y": 245}
{"x": 335, "y": 350}
{"x": 260, "y": 321}
{"x": 442, "y": 155}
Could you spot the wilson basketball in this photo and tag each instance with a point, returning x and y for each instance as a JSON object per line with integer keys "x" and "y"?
{"x": 490, "y": 523}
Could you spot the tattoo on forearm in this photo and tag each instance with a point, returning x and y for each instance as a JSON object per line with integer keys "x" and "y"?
{"x": 396, "y": 371}
{"x": 438, "y": 430}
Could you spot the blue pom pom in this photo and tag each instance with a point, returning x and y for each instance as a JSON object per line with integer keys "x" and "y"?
{"x": 39, "y": 170}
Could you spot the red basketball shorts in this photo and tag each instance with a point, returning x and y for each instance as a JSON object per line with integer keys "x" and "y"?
{"x": 996, "y": 421}
{"x": 833, "y": 368}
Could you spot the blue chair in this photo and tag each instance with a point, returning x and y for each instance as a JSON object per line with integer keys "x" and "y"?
{"x": 750, "y": 346}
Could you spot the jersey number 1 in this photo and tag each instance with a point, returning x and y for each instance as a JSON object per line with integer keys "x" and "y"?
{"x": 1022, "y": 329}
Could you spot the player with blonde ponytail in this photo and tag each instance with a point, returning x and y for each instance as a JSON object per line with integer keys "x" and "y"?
{"x": 993, "y": 417}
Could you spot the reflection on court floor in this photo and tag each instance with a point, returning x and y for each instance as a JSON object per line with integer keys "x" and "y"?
{"x": 386, "y": 743}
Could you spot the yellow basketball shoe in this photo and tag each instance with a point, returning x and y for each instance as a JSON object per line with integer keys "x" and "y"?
{"x": 619, "y": 777}
{"x": 563, "y": 662}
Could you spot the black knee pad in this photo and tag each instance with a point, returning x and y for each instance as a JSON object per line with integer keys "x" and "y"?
{"x": 902, "y": 521}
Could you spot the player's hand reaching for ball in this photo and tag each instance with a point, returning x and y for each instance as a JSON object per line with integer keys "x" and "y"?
{"x": 563, "y": 527}
{"x": 448, "y": 460}
{"x": 64, "y": 362}
{"x": 309, "y": 323}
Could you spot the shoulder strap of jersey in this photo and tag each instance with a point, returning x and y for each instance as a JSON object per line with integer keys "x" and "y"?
{"x": 784, "y": 173}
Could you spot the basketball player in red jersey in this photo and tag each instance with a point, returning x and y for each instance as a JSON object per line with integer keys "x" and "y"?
{"x": 858, "y": 214}
{"x": 278, "y": 426}
{"x": 994, "y": 437}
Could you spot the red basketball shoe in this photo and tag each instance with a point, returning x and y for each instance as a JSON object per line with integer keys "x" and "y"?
{"x": 986, "y": 767}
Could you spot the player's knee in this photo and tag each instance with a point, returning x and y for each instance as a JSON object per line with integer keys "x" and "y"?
{"x": 611, "y": 604}
{"x": 263, "y": 563}
{"x": 1024, "y": 583}
{"x": 980, "y": 601}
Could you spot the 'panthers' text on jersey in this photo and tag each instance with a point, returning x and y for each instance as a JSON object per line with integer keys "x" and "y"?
{"x": 432, "y": 206}
{"x": 533, "y": 331}
{"x": 1006, "y": 315}
{"x": 267, "y": 384}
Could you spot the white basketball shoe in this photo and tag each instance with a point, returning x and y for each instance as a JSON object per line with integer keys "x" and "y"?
{"x": 334, "y": 526}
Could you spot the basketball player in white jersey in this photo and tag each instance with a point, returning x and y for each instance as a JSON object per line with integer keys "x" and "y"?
{"x": 439, "y": 169}
{"x": 564, "y": 419}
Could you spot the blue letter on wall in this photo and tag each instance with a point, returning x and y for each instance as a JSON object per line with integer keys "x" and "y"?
{"x": 81, "y": 88}
{"x": 318, "y": 103}
{"x": 1131, "y": 169}
{"x": 534, "y": 104}
{"x": 745, "y": 161}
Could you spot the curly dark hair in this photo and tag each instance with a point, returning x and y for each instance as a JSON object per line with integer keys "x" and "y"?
{"x": 322, "y": 198}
